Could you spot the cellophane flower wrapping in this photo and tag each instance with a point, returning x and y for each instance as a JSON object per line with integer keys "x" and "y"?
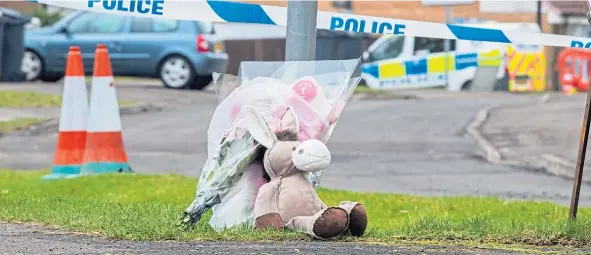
{"x": 318, "y": 92}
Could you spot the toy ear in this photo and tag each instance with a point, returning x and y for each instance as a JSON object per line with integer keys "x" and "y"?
{"x": 289, "y": 121}
{"x": 258, "y": 128}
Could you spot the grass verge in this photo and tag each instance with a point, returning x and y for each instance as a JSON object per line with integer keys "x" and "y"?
{"x": 366, "y": 90}
{"x": 28, "y": 99}
{"x": 12, "y": 125}
{"x": 34, "y": 99}
{"x": 147, "y": 207}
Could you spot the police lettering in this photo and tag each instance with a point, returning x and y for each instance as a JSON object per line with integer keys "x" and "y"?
{"x": 577, "y": 44}
{"x": 142, "y": 6}
{"x": 355, "y": 25}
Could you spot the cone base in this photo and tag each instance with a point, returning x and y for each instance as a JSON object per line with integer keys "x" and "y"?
{"x": 58, "y": 176}
{"x": 105, "y": 167}
{"x": 62, "y": 172}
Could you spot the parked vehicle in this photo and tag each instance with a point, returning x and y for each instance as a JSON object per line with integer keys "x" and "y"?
{"x": 399, "y": 62}
{"x": 183, "y": 54}
{"x": 574, "y": 68}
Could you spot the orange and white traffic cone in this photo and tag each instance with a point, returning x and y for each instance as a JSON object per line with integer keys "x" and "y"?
{"x": 73, "y": 120}
{"x": 104, "y": 152}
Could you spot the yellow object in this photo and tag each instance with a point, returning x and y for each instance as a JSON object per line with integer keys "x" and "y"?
{"x": 491, "y": 58}
{"x": 437, "y": 64}
{"x": 391, "y": 70}
{"x": 532, "y": 65}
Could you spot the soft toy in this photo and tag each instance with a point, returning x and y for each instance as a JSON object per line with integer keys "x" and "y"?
{"x": 289, "y": 200}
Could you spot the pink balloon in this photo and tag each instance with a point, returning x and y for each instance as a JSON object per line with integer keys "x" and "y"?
{"x": 306, "y": 88}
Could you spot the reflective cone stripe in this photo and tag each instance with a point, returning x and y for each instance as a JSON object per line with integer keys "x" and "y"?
{"x": 104, "y": 150}
{"x": 73, "y": 119}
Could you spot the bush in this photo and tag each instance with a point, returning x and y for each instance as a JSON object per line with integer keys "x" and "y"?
{"x": 46, "y": 17}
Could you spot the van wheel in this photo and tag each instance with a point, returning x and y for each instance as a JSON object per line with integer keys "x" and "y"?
{"x": 467, "y": 85}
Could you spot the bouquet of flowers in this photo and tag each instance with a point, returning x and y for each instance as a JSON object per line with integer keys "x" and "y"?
{"x": 318, "y": 92}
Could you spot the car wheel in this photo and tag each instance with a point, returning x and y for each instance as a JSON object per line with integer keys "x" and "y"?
{"x": 176, "y": 72}
{"x": 51, "y": 77}
{"x": 201, "y": 82}
{"x": 31, "y": 66}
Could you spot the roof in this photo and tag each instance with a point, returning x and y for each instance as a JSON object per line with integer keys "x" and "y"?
{"x": 573, "y": 8}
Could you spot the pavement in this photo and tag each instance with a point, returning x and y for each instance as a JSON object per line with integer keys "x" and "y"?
{"x": 415, "y": 146}
{"x": 543, "y": 135}
{"x": 32, "y": 239}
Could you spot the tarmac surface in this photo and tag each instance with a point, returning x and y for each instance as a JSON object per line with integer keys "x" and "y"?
{"x": 545, "y": 134}
{"x": 32, "y": 239}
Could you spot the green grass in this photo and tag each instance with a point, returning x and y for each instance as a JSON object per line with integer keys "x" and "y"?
{"x": 147, "y": 207}
{"x": 28, "y": 99}
{"x": 7, "y": 126}
{"x": 34, "y": 99}
{"x": 367, "y": 90}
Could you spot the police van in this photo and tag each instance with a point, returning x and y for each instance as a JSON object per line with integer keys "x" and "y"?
{"x": 403, "y": 62}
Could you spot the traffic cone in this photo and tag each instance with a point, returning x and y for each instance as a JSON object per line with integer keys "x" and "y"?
{"x": 73, "y": 120}
{"x": 104, "y": 152}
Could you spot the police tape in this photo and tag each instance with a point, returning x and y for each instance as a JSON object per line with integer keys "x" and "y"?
{"x": 225, "y": 11}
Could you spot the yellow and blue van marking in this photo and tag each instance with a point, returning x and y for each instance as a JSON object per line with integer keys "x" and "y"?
{"x": 431, "y": 67}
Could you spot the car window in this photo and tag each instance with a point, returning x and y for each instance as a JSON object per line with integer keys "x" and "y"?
{"x": 147, "y": 25}
{"x": 96, "y": 23}
{"x": 164, "y": 25}
{"x": 79, "y": 24}
{"x": 205, "y": 27}
{"x": 141, "y": 25}
{"x": 389, "y": 49}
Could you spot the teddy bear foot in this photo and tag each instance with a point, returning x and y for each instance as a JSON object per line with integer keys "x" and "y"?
{"x": 269, "y": 220}
{"x": 331, "y": 223}
{"x": 358, "y": 220}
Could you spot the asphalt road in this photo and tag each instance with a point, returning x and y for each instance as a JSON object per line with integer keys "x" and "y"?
{"x": 402, "y": 146}
{"x": 31, "y": 239}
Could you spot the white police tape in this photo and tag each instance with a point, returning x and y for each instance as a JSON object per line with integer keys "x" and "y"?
{"x": 225, "y": 11}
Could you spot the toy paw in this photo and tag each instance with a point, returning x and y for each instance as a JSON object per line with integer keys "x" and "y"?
{"x": 270, "y": 220}
{"x": 357, "y": 220}
{"x": 331, "y": 223}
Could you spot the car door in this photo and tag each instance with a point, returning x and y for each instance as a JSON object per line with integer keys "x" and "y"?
{"x": 89, "y": 29}
{"x": 146, "y": 40}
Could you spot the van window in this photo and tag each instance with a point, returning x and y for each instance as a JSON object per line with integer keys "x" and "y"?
{"x": 389, "y": 49}
{"x": 432, "y": 45}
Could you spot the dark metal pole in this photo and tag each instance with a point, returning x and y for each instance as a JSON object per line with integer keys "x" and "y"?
{"x": 300, "y": 41}
{"x": 574, "y": 203}
{"x": 539, "y": 15}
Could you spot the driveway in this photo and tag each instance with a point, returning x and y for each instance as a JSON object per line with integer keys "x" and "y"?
{"x": 402, "y": 146}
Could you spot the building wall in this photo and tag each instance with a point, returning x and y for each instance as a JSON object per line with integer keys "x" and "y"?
{"x": 23, "y": 7}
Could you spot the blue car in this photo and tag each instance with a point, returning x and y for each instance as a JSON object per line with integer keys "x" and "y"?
{"x": 183, "y": 54}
